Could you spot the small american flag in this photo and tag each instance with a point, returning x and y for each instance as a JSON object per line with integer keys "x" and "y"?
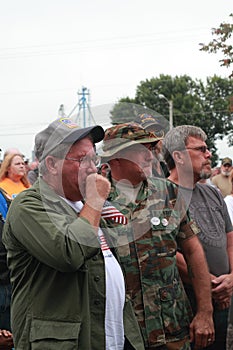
{"x": 109, "y": 212}
{"x": 103, "y": 242}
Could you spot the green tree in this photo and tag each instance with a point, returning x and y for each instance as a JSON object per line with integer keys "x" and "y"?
{"x": 221, "y": 42}
{"x": 206, "y": 105}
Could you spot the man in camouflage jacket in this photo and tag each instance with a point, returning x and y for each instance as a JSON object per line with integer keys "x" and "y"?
{"x": 157, "y": 223}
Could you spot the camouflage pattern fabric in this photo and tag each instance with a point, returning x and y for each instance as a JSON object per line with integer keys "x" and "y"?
{"x": 157, "y": 223}
{"x": 229, "y": 344}
{"x": 176, "y": 345}
{"x": 125, "y": 135}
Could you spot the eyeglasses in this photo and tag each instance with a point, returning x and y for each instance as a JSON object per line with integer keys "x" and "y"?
{"x": 202, "y": 149}
{"x": 86, "y": 161}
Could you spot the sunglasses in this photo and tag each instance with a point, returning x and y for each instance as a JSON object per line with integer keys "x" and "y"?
{"x": 202, "y": 149}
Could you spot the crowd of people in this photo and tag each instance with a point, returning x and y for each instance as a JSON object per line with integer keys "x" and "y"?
{"x": 128, "y": 246}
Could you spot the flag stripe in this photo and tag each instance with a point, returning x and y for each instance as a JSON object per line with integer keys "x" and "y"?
{"x": 110, "y": 212}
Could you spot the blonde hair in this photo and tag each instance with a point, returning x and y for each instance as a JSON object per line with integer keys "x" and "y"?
{"x": 5, "y": 168}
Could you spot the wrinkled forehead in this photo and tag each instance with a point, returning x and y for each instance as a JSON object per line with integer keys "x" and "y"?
{"x": 195, "y": 140}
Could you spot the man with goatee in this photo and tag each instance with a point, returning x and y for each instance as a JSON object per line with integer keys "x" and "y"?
{"x": 188, "y": 160}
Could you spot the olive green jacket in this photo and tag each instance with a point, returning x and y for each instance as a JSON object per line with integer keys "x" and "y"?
{"x": 58, "y": 276}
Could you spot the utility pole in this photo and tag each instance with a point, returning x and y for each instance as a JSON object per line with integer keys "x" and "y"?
{"x": 171, "y": 114}
{"x": 170, "y": 104}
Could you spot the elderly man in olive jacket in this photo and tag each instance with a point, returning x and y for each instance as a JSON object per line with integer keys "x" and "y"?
{"x": 68, "y": 288}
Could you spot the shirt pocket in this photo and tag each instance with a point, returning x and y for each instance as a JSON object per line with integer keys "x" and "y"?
{"x": 175, "y": 309}
{"x": 165, "y": 220}
{"x": 54, "y": 335}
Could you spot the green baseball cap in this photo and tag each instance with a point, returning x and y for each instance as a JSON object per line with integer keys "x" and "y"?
{"x": 122, "y": 136}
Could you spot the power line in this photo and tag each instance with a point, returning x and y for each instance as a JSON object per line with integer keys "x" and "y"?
{"x": 136, "y": 36}
{"x": 20, "y": 134}
{"x": 90, "y": 45}
{"x": 102, "y": 122}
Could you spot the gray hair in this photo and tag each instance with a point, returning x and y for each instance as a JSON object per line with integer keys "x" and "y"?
{"x": 177, "y": 138}
{"x": 60, "y": 152}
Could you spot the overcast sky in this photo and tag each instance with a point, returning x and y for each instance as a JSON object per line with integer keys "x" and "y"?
{"x": 50, "y": 49}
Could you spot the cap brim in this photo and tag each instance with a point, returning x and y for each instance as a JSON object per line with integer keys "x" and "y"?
{"x": 97, "y": 133}
{"x": 123, "y": 144}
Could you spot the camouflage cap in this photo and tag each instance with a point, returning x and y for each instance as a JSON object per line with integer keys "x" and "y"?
{"x": 227, "y": 160}
{"x": 122, "y": 136}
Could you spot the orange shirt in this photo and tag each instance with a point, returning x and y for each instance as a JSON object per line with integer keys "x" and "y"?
{"x": 12, "y": 188}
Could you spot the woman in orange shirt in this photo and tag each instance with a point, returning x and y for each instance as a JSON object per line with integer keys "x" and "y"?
{"x": 13, "y": 177}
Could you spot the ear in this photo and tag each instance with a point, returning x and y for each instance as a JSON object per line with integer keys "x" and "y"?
{"x": 105, "y": 169}
{"x": 51, "y": 164}
{"x": 178, "y": 157}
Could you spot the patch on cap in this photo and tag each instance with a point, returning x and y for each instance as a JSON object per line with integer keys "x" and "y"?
{"x": 69, "y": 123}
{"x": 150, "y": 123}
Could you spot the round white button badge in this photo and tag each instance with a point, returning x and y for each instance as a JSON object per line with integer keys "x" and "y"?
{"x": 155, "y": 221}
{"x": 164, "y": 222}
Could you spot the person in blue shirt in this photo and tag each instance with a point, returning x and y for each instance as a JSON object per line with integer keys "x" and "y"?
{"x": 5, "y": 286}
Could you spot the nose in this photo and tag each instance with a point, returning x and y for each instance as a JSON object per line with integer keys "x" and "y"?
{"x": 91, "y": 168}
{"x": 149, "y": 155}
{"x": 208, "y": 154}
